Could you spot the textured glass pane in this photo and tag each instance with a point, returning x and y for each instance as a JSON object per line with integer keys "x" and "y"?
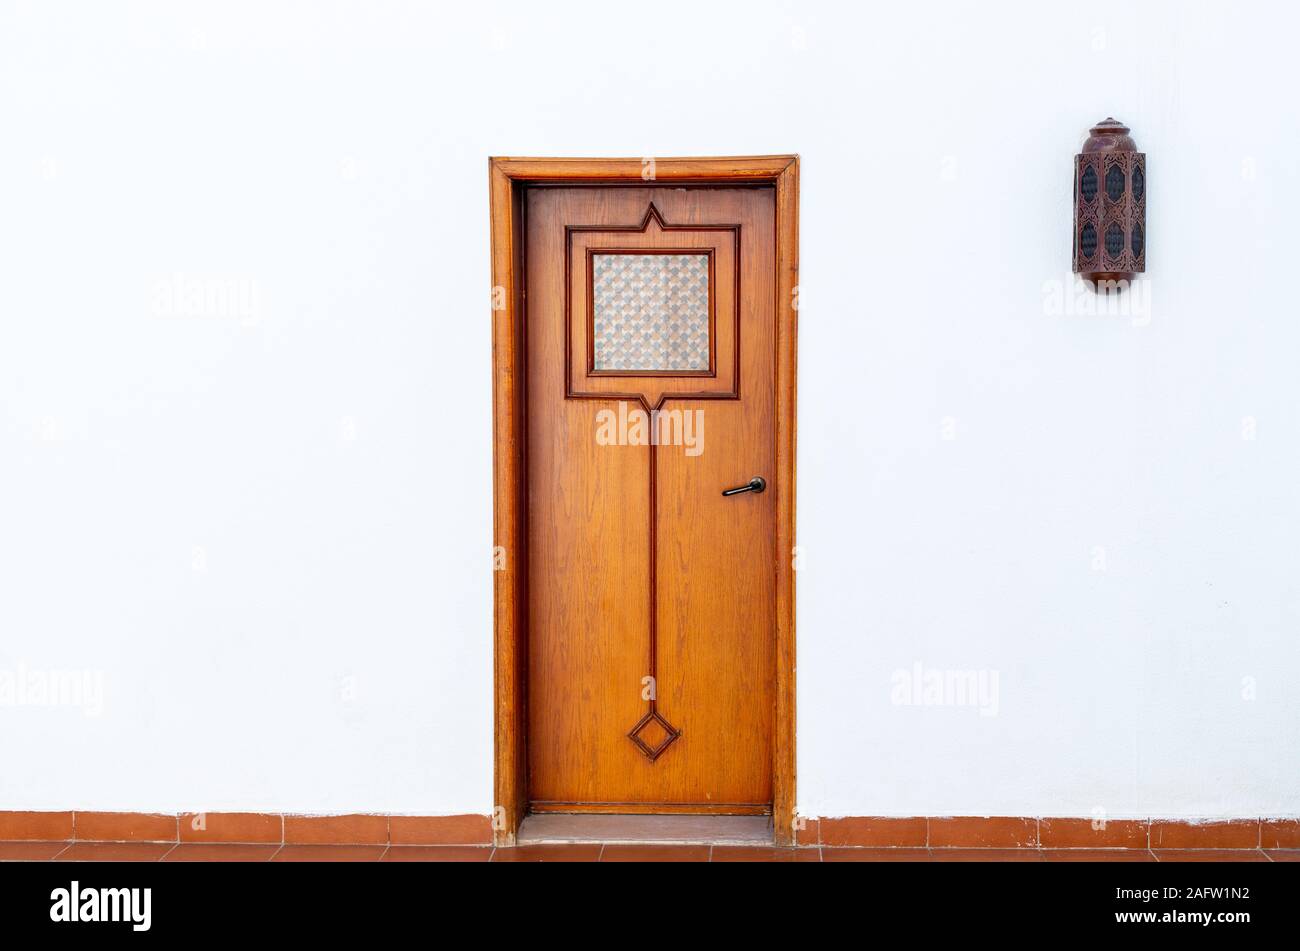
{"x": 1115, "y": 183}
{"x": 1089, "y": 184}
{"x": 650, "y": 311}
{"x": 1088, "y": 241}
{"x": 1114, "y": 240}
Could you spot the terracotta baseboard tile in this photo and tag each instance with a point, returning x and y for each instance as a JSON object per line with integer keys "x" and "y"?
{"x": 232, "y": 827}
{"x": 222, "y": 852}
{"x": 35, "y": 826}
{"x": 874, "y": 832}
{"x": 843, "y": 832}
{"x": 877, "y": 855}
{"x": 1098, "y": 855}
{"x": 983, "y": 832}
{"x": 1210, "y": 855}
{"x": 115, "y": 852}
{"x": 1081, "y": 834}
{"x": 808, "y": 833}
{"x": 440, "y": 830}
{"x": 437, "y": 853}
{"x": 1279, "y": 833}
{"x": 619, "y": 852}
{"x": 31, "y": 851}
{"x": 329, "y": 853}
{"x": 336, "y": 830}
{"x": 987, "y": 855}
{"x": 1186, "y": 834}
{"x": 763, "y": 853}
{"x": 123, "y": 827}
{"x": 576, "y": 852}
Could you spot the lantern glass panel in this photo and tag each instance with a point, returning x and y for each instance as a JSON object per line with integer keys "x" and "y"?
{"x": 1088, "y": 241}
{"x": 1115, "y": 183}
{"x": 1088, "y": 186}
{"x": 1114, "y": 240}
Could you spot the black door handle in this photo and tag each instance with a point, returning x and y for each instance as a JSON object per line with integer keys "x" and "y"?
{"x": 756, "y": 484}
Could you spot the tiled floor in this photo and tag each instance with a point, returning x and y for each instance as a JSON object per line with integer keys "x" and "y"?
{"x": 595, "y": 852}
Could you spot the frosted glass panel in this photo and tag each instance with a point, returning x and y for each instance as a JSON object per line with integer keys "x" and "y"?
{"x": 650, "y": 311}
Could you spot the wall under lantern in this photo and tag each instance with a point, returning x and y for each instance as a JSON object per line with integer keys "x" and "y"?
{"x": 1110, "y": 206}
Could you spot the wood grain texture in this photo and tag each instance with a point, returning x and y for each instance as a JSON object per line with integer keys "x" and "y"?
{"x": 650, "y": 808}
{"x": 787, "y": 331}
{"x": 510, "y": 179}
{"x": 760, "y": 168}
{"x": 599, "y": 601}
{"x": 651, "y": 234}
{"x": 510, "y": 590}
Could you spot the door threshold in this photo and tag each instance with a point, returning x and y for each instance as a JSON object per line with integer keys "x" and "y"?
{"x": 556, "y": 828}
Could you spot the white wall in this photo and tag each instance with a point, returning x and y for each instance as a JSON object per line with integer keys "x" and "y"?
{"x": 269, "y": 526}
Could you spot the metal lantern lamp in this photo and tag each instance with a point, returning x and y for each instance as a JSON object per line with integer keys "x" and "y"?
{"x": 1110, "y": 207}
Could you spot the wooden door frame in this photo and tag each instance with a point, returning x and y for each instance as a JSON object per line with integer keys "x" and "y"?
{"x": 508, "y": 178}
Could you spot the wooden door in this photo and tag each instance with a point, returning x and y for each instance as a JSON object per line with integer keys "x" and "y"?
{"x": 650, "y": 389}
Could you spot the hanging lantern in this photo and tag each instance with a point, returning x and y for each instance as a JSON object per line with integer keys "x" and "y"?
{"x": 1110, "y": 206}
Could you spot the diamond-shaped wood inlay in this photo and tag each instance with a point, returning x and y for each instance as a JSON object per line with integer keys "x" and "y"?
{"x": 653, "y": 734}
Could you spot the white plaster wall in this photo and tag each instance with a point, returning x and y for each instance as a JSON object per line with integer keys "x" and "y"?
{"x": 268, "y": 526}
